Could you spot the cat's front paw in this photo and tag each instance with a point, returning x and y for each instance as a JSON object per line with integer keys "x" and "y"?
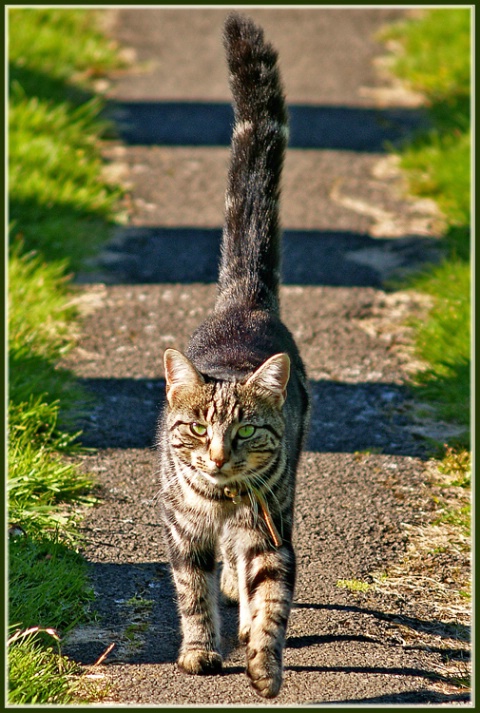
{"x": 264, "y": 669}
{"x": 200, "y": 662}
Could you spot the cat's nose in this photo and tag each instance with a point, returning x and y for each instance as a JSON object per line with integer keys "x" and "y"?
{"x": 219, "y": 451}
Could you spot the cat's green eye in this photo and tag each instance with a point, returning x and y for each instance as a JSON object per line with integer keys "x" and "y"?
{"x": 198, "y": 429}
{"x": 246, "y": 431}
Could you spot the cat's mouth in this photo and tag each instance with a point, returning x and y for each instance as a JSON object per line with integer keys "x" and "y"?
{"x": 221, "y": 478}
{"x": 217, "y": 477}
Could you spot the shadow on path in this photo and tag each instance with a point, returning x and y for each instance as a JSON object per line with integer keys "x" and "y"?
{"x": 122, "y": 591}
{"x": 311, "y": 127}
{"x": 442, "y": 629}
{"x": 125, "y": 413}
{"x": 119, "y": 586}
{"x": 408, "y": 697}
{"x": 310, "y": 257}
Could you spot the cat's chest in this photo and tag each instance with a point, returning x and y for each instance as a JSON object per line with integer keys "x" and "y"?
{"x": 195, "y": 500}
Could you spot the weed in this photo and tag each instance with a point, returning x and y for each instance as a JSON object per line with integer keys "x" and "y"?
{"x": 457, "y": 463}
{"x": 138, "y": 604}
{"x": 367, "y": 452}
{"x": 353, "y": 585}
{"x": 458, "y": 517}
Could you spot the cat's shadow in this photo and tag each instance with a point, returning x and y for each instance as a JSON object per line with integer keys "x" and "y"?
{"x": 135, "y": 609}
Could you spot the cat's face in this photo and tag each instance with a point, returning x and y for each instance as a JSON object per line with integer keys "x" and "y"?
{"x": 226, "y": 431}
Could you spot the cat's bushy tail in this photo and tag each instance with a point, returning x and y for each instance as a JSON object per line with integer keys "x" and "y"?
{"x": 250, "y": 264}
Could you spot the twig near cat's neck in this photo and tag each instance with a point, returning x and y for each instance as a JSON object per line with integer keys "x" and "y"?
{"x": 277, "y": 540}
{"x": 236, "y": 498}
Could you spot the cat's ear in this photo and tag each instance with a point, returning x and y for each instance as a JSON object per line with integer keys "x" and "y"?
{"x": 179, "y": 372}
{"x": 272, "y": 377}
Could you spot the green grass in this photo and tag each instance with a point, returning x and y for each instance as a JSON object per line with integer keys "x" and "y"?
{"x": 46, "y": 602}
{"x": 443, "y": 342}
{"x": 41, "y": 330}
{"x": 435, "y": 59}
{"x": 58, "y": 202}
{"x": 33, "y": 658}
{"x": 59, "y": 45}
{"x": 61, "y": 210}
{"x": 436, "y": 52}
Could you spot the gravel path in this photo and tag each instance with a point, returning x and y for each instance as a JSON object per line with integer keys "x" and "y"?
{"x": 348, "y": 227}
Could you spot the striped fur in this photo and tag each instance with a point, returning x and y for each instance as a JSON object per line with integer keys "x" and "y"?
{"x": 251, "y": 241}
{"x": 237, "y": 404}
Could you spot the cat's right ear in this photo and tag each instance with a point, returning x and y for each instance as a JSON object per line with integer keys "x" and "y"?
{"x": 179, "y": 372}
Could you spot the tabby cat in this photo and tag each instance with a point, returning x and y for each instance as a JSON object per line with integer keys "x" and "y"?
{"x": 237, "y": 403}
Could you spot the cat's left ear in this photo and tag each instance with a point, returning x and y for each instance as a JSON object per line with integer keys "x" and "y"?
{"x": 179, "y": 372}
{"x": 273, "y": 377}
